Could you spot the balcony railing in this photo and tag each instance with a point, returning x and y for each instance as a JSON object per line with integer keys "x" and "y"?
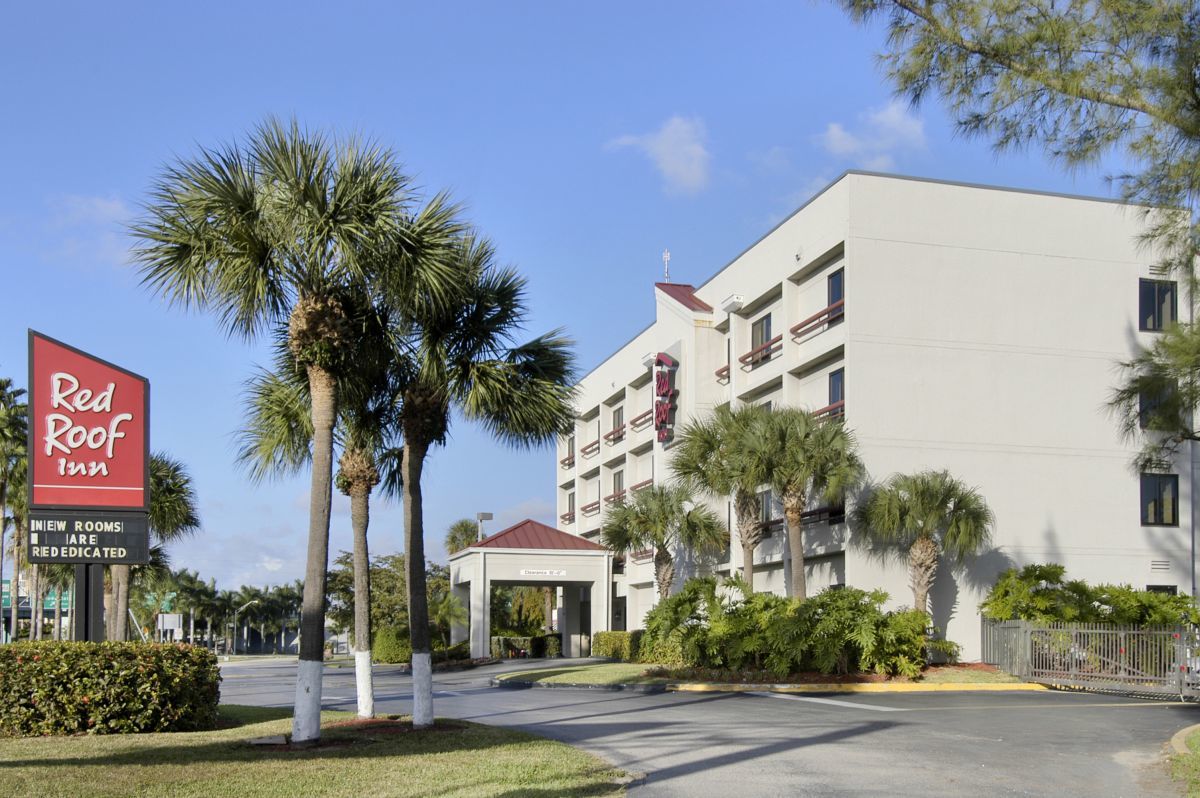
{"x": 837, "y": 410}
{"x": 763, "y": 353}
{"x": 589, "y": 449}
{"x": 833, "y": 313}
{"x": 722, "y": 374}
{"x": 643, "y": 554}
{"x": 567, "y": 517}
{"x": 774, "y": 525}
{"x": 615, "y": 496}
{"x": 634, "y": 488}
{"x": 641, "y": 420}
{"x": 591, "y": 508}
{"x": 615, "y": 435}
{"x": 567, "y": 461}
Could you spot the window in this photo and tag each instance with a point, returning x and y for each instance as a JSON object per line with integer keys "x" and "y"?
{"x": 571, "y": 446}
{"x": 760, "y": 332}
{"x": 1171, "y": 590}
{"x": 837, "y": 293}
{"x": 1149, "y": 402}
{"x": 769, "y": 511}
{"x": 1160, "y": 500}
{"x": 1157, "y": 305}
{"x": 571, "y": 503}
{"x": 618, "y": 417}
{"x": 837, "y": 386}
{"x": 767, "y": 405}
{"x": 618, "y": 482}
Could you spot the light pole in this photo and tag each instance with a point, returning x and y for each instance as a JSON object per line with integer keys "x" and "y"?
{"x": 479, "y": 519}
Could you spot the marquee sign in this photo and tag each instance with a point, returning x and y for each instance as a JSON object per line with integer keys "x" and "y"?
{"x": 665, "y": 396}
{"x": 89, "y": 457}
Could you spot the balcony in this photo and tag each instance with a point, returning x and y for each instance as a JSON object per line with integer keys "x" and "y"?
{"x": 615, "y": 496}
{"x": 642, "y": 555}
{"x": 761, "y": 354}
{"x": 589, "y": 449}
{"x": 591, "y": 508}
{"x": 722, "y": 374}
{"x": 634, "y": 488}
{"x": 837, "y": 411}
{"x": 615, "y": 435}
{"x": 568, "y": 461}
{"x": 830, "y": 315}
{"x": 640, "y": 421}
{"x": 567, "y": 517}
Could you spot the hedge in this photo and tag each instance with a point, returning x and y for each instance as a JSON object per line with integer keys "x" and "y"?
{"x": 623, "y": 646}
{"x": 537, "y": 646}
{"x": 106, "y": 688}
{"x": 391, "y": 646}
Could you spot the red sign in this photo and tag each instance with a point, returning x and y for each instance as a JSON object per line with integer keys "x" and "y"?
{"x": 88, "y": 430}
{"x": 664, "y": 396}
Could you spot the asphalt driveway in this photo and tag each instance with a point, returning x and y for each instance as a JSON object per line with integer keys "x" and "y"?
{"x": 721, "y": 744}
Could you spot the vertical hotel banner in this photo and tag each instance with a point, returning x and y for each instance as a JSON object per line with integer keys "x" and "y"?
{"x": 89, "y": 458}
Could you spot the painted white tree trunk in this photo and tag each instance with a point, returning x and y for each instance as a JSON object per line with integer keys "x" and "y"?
{"x": 364, "y": 684}
{"x": 306, "y": 717}
{"x": 422, "y": 680}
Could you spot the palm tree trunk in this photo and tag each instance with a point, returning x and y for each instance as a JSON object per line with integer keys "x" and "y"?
{"x": 14, "y": 587}
{"x": 120, "y": 579}
{"x": 664, "y": 571}
{"x": 412, "y": 462}
{"x": 58, "y": 612}
{"x": 360, "y": 513}
{"x": 191, "y": 626}
{"x": 212, "y": 641}
{"x": 749, "y": 532}
{"x": 922, "y": 568}
{"x": 547, "y": 610}
{"x": 3, "y": 532}
{"x": 35, "y": 603}
{"x": 306, "y": 723}
{"x": 793, "y": 506}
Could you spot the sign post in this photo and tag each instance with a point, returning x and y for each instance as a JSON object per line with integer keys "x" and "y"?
{"x": 89, "y": 470}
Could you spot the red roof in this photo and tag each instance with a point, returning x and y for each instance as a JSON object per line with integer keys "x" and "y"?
{"x": 529, "y": 534}
{"x": 684, "y": 295}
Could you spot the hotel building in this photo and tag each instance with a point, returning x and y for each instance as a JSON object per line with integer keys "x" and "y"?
{"x": 969, "y": 328}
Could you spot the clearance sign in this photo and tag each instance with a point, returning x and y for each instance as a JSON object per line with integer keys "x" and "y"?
{"x": 88, "y": 457}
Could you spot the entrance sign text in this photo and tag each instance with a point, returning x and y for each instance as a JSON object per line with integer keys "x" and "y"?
{"x": 665, "y": 395}
{"x": 543, "y": 572}
{"x": 75, "y": 536}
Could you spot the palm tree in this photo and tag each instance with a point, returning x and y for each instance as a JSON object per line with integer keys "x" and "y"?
{"x": 173, "y": 516}
{"x": 803, "y": 459}
{"x": 462, "y": 533}
{"x": 14, "y": 430}
{"x": 659, "y": 518}
{"x": 284, "y": 230}
{"x": 18, "y": 506}
{"x": 446, "y": 612}
{"x": 710, "y": 458}
{"x": 926, "y": 513}
{"x": 278, "y": 437}
{"x": 465, "y": 357}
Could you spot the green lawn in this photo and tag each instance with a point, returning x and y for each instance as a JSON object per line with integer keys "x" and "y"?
{"x": 632, "y": 673}
{"x": 1186, "y": 767}
{"x": 455, "y": 759}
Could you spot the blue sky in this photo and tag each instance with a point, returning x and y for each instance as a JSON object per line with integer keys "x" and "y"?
{"x": 583, "y": 140}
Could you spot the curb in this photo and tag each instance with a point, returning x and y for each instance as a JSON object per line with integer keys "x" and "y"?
{"x": 513, "y": 684}
{"x": 716, "y": 687}
{"x": 1179, "y": 739}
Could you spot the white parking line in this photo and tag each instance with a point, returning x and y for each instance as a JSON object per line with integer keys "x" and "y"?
{"x": 832, "y": 701}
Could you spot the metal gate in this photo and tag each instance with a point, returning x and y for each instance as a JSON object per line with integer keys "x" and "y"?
{"x": 1161, "y": 660}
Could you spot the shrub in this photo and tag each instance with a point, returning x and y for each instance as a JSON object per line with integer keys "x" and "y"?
{"x": 554, "y": 645}
{"x": 458, "y": 651}
{"x": 623, "y": 646}
{"x": 106, "y": 688}
{"x": 392, "y": 646}
{"x": 1043, "y": 593}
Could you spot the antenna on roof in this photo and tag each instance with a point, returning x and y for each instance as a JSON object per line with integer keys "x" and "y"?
{"x": 666, "y": 265}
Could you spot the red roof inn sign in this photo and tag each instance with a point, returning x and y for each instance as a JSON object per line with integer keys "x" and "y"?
{"x": 89, "y": 460}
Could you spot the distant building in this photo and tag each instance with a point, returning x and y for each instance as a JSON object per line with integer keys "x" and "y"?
{"x": 969, "y": 328}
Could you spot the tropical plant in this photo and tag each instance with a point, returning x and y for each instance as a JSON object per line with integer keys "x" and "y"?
{"x": 665, "y": 519}
{"x": 445, "y": 613}
{"x": 294, "y": 228}
{"x": 462, "y": 533}
{"x": 18, "y": 508}
{"x": 925, "y": 515}
{"x": 14, "y": 430}
{"x": 463, "y": 356}
{"x": 803, "y": 459}
{"x": 710, "y": 459}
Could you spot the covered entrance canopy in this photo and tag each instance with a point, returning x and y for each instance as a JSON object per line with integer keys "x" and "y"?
{"x": 530, "y": 553}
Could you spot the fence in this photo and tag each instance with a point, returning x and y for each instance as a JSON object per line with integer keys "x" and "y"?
{"x": 1130, "y": 659}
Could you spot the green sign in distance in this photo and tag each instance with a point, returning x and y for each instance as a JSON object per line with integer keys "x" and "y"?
{"x": 48, "y": 603}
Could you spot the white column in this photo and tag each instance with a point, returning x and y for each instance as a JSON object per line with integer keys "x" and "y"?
{"x": 481, "y": 631}
{"x": 459, "y": 631}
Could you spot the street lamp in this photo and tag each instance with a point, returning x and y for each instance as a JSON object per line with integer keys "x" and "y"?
{"x": 236, "y": 613}
{"x": 479, "y": 519}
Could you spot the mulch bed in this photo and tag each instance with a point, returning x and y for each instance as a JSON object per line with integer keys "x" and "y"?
{"x": 808, "y": 677}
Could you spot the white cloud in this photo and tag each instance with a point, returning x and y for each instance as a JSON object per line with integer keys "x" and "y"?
{"x": 271, "y": 564}
{"x": 678, "y": 150}
{"x": 90, "y": 229}
{"x": 881, "y": 135}
{"x": 70, "y": 210}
